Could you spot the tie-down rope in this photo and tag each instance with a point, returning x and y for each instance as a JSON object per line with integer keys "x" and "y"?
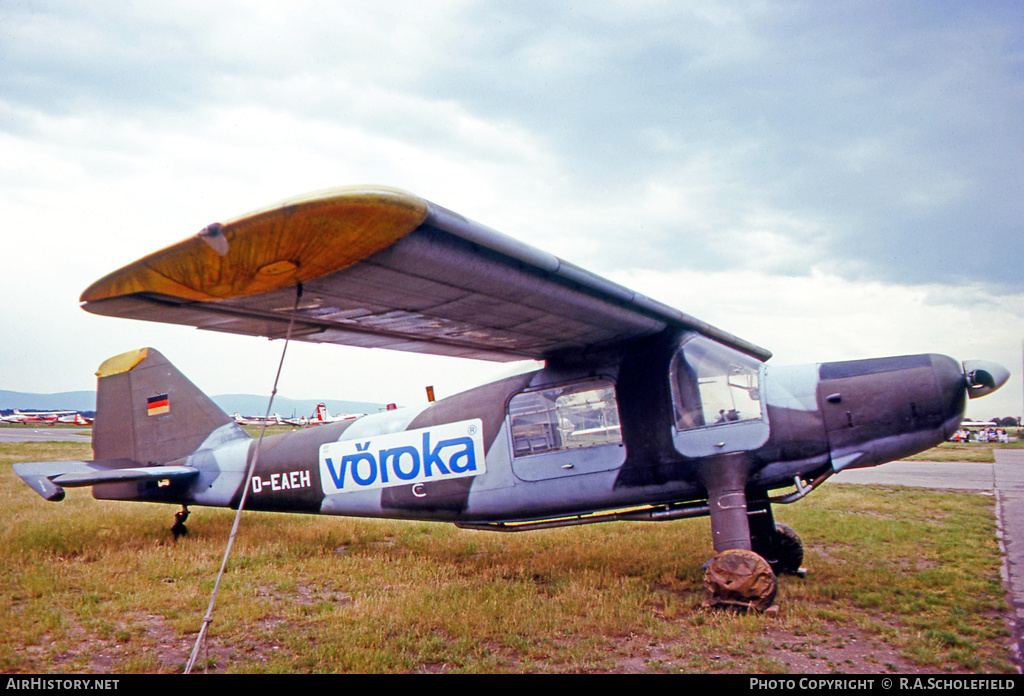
{"x": 208, "y": 618}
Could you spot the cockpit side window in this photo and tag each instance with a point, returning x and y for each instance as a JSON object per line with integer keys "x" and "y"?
{"x": 713, "y": 384}
{"x": 565, "y": 417}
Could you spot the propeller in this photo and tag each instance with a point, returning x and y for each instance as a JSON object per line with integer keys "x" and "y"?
{"x": 984, "y": 377}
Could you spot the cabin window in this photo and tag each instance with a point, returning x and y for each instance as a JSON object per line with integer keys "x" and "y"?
{"x": 713, "y": 384}
{"x": 565, "y": 417}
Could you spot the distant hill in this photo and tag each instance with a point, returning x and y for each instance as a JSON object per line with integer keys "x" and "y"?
{"x": 63, "y": 401}
{"x": 251, "y": 405}
{"x": 246, "y": 404}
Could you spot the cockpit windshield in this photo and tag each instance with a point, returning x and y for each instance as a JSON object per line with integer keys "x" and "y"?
{"x": 713, "y": 384}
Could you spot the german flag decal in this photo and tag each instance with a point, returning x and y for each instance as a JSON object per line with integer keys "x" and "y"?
{"x": 155, "y": 405}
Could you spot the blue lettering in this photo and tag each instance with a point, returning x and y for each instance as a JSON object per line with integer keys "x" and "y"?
{"x": 337, "y": 476}
{"x": 432, "y": 457}
{"x": 395, "y": 455}
{"x": 467, "y": 454}
{"x": 361, "y": 455}
{"x": 368, "y": 468}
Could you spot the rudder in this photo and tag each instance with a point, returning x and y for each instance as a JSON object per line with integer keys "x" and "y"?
{"x": 149, "y": 412}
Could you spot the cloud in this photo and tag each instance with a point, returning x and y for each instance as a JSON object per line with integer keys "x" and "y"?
{"x": 824, "y": 317}
{"x": 870, "y": 154}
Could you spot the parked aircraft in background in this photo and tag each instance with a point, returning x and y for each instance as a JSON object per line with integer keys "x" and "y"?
{"x": 322, "y": 416}
{"x": 640, "y": 412}
{"x": 249, "y": 420}
{"x": 296, "y": 421}
{"x": 276, "y": 419}
{"x": 44, "y": 417}
{"x": 74, "y": 419}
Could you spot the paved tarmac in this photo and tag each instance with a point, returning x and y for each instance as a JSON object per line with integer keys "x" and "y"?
{"x": 1004, "y": 479}
{"x": 45, "y": 433}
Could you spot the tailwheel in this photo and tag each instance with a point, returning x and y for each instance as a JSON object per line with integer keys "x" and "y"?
{"x": 739, "y": 579}
{"x": 178, "y": 529}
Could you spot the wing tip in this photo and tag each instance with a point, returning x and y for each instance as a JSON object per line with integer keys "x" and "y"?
{"x": 311, "y": 235}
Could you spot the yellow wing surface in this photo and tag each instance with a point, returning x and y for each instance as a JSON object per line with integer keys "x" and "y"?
{"x": 382, "y": 268}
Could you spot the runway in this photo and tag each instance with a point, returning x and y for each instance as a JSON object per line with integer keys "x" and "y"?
{"x": 45, "y": 434}
{"x": 1004, "y": 479}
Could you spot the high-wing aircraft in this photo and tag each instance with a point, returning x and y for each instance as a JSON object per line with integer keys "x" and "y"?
{"x": 74, "y": 418}
{"x": 322, "y": 416}
{"x": 640, "y": 412}
{"x": 48, "y": 417}
{"x": 250, "y": 420}
{"x": 296, "y": 421}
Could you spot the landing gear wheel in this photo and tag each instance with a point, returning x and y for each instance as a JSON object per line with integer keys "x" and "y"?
{"x": 179, "y": 529}
{"x": 785, "y": 552}
{"x": 789, "y": 552}
{"x": 739, "y": 579}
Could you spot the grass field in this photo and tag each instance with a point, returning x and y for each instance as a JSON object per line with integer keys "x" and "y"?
{"x": 900, "y": 580}
{"x": 965, "y": 452}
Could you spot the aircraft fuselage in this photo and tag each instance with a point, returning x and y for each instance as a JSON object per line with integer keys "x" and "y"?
{"x": 680, "y": 420}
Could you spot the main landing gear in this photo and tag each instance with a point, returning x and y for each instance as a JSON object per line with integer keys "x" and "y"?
{"x": 750, "y": 551}
{"x": 747, "y": 579}
{"x": 178, "y": 529}
{"x": 739, "y": 579}
{"x": 784, "y": 551}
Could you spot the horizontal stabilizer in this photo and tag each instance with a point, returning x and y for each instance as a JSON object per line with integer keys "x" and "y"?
{"x": 49, "y": 479}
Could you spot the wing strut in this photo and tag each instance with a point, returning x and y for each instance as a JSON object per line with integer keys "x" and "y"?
{"x": 208, "y": 618}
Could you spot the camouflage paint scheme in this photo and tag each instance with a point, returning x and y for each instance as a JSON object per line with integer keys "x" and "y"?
{"x": 629, "y": 430}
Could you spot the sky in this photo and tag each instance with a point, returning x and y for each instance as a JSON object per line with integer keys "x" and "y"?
{"x": 829, "y": 180}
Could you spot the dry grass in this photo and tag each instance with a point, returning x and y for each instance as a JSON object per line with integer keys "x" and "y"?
{"x": 900, "y": 581}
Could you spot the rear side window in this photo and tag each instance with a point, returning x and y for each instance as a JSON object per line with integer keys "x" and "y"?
{"x": 585, "y": 414}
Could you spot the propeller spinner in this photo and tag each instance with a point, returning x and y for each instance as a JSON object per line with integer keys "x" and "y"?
{"x": 984, "y": 377}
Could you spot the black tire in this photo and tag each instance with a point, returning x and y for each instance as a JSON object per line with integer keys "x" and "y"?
{"x": 787, "y": 551}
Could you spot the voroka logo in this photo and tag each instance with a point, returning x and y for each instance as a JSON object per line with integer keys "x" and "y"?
{"x": 453, "y": 450}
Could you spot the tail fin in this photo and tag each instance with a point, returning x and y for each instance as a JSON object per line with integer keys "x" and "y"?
{"x": 148, "y": 412}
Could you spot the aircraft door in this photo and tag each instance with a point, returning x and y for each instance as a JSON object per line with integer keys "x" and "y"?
{"x": 717, "y": 399}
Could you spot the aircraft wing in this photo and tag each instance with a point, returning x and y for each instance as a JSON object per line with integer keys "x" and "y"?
{"x": 49, "y": 479}
{"x": 381, "y": 268}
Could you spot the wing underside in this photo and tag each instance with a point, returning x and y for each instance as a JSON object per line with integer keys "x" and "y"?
{"x": 382, "y": 269}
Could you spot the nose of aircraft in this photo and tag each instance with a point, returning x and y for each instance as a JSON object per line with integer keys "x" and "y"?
{"x": 984, "y": 377}
{"x": 883, "y": 409}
